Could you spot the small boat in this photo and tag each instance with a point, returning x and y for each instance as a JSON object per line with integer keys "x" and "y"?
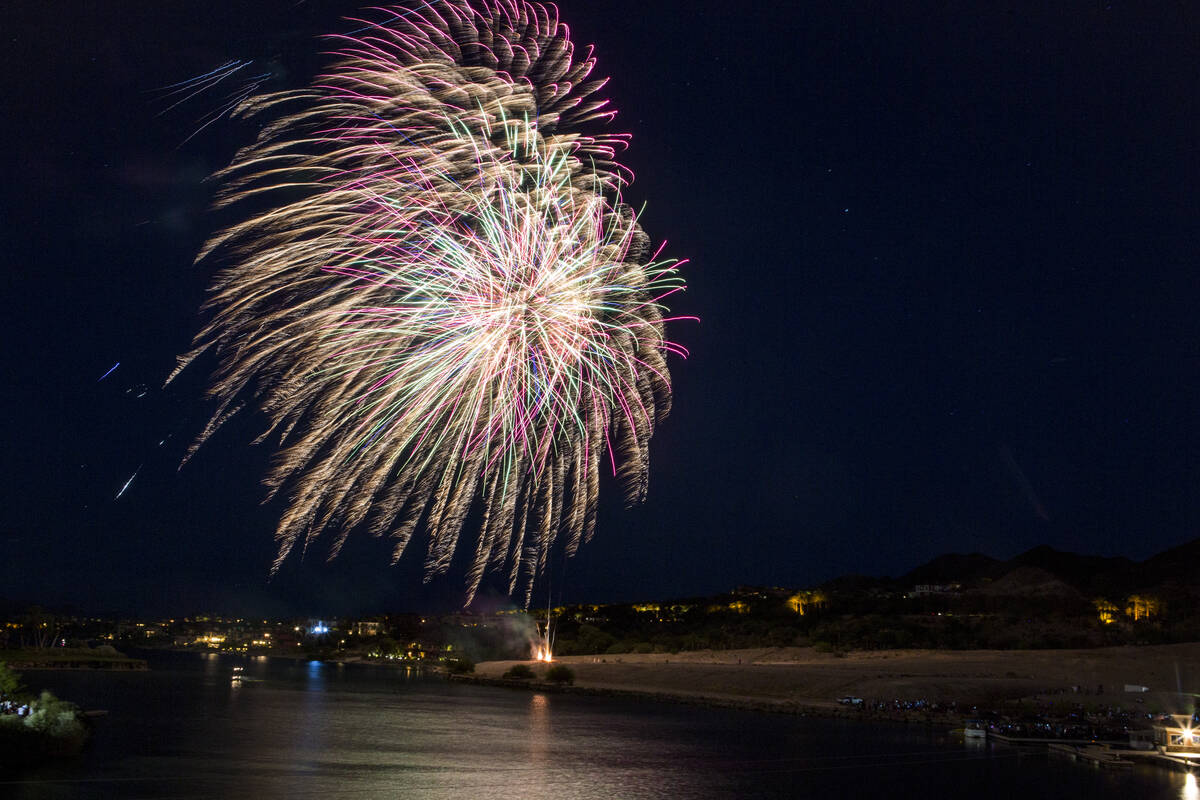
{"x": 974, "y": 729}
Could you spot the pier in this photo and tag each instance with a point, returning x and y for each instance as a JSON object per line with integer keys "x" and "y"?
{"x": 1102, "y": 755}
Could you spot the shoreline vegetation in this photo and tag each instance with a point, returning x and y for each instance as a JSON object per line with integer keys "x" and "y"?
{"x": 934, "y": 687}
{"x": 56, "y": 658}
{"x": 37, "y": 728}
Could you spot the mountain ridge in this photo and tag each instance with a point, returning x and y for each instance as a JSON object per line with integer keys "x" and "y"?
{"x": 1089, "y": 575}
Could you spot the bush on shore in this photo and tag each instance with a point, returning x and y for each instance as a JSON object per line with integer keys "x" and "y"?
{"x": 37, "y": 729}
{"x": 56, "y": 718}
{"x": 560, "y": 673}
{"x": 519, "y": 672}
{"x": 460, "y": 666}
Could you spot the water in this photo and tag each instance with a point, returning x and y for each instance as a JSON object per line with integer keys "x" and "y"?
{"x": 311, "y": 730}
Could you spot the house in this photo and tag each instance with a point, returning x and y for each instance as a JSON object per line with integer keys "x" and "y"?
{"x": 1178, "y": 738}
{"x": 367, "y": 627}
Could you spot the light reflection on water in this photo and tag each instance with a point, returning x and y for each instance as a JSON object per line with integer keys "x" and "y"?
{"x": 540, "y": 736}
{"x": 300, "y": 729}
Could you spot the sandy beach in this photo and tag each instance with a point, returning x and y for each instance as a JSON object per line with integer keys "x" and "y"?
{"x": 802, "y": 678}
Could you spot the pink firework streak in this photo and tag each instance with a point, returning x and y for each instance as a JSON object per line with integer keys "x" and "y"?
{"x": 437, "y": 294}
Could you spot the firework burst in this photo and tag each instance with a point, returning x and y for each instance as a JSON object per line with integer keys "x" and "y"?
{"x": 438, "y": 296}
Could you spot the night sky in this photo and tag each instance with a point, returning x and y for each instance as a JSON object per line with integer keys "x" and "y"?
{"x": 944, "y": 258}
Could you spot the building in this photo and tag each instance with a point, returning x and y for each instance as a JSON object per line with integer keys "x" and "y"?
{"x": 926, "y": 589}
{"x": 1178, "y": 738}
{"x": 367, "y": 627}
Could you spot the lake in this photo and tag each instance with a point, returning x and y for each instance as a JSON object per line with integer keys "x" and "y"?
{"x": 294, "y": 729}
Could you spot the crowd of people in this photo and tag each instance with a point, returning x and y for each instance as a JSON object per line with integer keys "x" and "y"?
{"x": 13, "y": 707}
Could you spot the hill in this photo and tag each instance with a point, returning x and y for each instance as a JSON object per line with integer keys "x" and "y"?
{"x": 1044, "y": 570}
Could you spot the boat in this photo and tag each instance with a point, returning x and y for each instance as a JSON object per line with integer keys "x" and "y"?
{"x": 974, "y": 729}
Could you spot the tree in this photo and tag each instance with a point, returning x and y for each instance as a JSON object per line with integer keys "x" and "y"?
{"x": 591, "y": 639}
{"x": 11, "y": 689}
{"x": 387, "y": 647}
{"x": 43, "y": 627}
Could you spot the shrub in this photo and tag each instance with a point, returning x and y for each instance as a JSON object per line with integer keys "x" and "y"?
{"x": 54, "y": 728}
{"x": 519, "y": 672}
{"x": 560, "y": 673}
{"x": 56, "y": 718}
{"x": 460, "y": 666}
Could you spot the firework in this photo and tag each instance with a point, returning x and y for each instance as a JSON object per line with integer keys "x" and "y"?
{"x": 437, "y": 295}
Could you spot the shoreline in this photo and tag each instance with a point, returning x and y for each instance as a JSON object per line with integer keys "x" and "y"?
{"x": 81, "y": 665}
{"x": 759, "y": 705}
{"x": 932, "y": 687}
{"x": 354, "y": 660}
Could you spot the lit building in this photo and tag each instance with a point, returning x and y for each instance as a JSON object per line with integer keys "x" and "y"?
{"x": 319, "y": 627}
{"x": 924, "y": 589}
{"x": 1178, "y": 739}
{"x": 367, "y": 627}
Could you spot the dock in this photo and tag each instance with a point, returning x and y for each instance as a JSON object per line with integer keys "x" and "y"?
{"x": 1108, "y": 755}
{"x": 1101, "y": 755}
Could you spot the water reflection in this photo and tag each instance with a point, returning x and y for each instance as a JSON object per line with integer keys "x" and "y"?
{"x": 316, "y": 678}
{"x": 309, "y": 730}
{"x": 211, "y": 664}
{"x": 539, "y": 729}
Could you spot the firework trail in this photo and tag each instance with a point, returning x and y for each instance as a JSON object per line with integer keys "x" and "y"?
{"x": 188, "y": 89}
{"x": 437, "y": 294}
{"x": 127, "y": 483}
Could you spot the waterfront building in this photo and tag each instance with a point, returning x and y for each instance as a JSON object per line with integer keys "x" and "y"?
{"x": 1178, "y": 739}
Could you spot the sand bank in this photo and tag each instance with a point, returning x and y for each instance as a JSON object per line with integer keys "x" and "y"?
{"x": 796, "y": 678}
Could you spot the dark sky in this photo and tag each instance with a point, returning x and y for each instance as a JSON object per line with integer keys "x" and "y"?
{"x": 944, "y": 258}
